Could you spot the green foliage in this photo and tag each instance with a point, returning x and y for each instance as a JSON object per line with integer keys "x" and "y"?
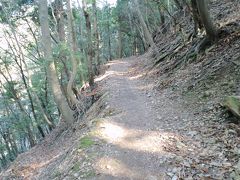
{"x": 86, "y": 142}
{"x": 10, "y": 89}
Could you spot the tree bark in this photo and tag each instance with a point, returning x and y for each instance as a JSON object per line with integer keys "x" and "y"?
{"x": 73, "y": 52}
{"x": 162, "y": 17}
{"x": 178, "y": 4}
{"x": 120, "y": 48}
{"x": 206, "y": 19}
{"x": 51, "y": 69}
{"x": 109, "y": 36}
{"x": 96, "y": 37}
{"x": 147, "y": 34}
{"x": 59, "y": 14}
{"x": 90, "y": 51}
{"x": 196, "y": 17}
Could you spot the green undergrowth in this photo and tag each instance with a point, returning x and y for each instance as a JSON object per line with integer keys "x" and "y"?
{"x": 86, "y": 142}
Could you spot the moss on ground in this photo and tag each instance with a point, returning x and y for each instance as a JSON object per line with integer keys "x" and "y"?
{"x": 86, "y": 142}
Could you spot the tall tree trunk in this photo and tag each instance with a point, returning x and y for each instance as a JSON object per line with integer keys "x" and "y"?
{"x": 178, "y": 4}
{"x": 206, "y": 19}
{"x": 162, "y": 17}
{"x": 96, "y": 37}
{"x": 59, "y": 14}
{"x": 196, "y": 17}
{"x": 147, "y": 34}
{"x": 53, "y": 81}
{"x": 109, "y": 35}
{"x": 73, "y": 52}
{"x": 90, "y": 51}
{"x": 120, "y": 48}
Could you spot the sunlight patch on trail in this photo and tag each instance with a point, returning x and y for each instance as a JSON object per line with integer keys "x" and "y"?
{"x": 134, "y": 142}
{"x": 116, "y": 62}
{"x": 135, "y": 139}
{"x": 107, "y": 74}
{"x": 112, "y": 132}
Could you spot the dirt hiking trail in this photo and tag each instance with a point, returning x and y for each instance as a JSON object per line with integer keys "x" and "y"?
{"x": 140, "y": 137}
{"x": 134, "y": 132}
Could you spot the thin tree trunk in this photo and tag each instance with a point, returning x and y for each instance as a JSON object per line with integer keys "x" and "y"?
{"x": 206, "y": 19}
{"x": 61, "y": 34}
{"x": 45, "y": 115}
{"x": 120, "y": 48}
{"x": 20, "y": 63}
{"x": 65, "y": 75}
{"x": 109, "y": 35}
{"x": 25, "y": 114}
{"x": 162, "y": 17}
{"x": 90, "y": 48}
{"x": 51, "y": 69}
{"x": 7, "y": 145}
{"x": 96, "y": 37}
{"x": 147, "y": 34}
{"x": 73, "y": 51}
{"x": 178, "y": 4}
{"x": 196, "y": 17}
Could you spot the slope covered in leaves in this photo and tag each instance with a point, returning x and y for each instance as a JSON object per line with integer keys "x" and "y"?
{"x": 200, "y": 81}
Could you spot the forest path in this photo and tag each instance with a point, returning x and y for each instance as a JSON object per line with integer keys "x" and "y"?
{"x": 139, "y": 139}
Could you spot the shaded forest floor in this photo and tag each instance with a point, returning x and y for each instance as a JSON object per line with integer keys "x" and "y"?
{"x": 136, "y": 131}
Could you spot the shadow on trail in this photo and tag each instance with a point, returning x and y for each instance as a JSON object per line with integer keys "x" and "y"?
{"x": 134, "y": 148}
